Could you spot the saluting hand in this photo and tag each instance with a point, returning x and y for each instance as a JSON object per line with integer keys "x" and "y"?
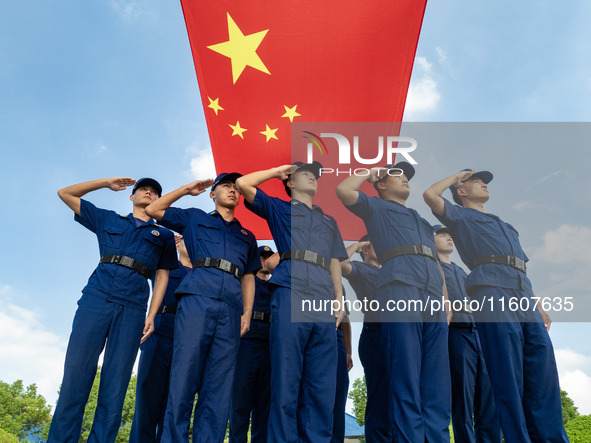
{"x": 362, "y": 244}
{"x": 462, "y": 176}
{"x": 284, "y": 171}
{"x": 376, "y": 174}
{"x": 199, "y": 186}
{"x": 120, "y": 183}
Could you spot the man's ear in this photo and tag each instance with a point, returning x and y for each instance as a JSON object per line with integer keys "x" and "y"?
{"x": 289, "y": 184}
{"x": 131, "y": 197}
{"x": 212, "y": 194}
{"x": 381, "y": 185}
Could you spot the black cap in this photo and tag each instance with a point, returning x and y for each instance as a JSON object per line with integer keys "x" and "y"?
{"x": 226, "y": 177}
{"x": 485, "y": 176}
{"x": 406, "y": 168}
{"x": 147, "y": 182}
{"x": 313, "y": 167}
{"x": 265, "y": 251}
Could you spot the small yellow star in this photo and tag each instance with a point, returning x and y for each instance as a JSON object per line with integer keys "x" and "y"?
{"x": 237, "y": 130}
{"x": 214, "y": 104}
{"x": 241, "y": 49}
{"x": 270, "y": 133}
{"x": 291, "y": 113}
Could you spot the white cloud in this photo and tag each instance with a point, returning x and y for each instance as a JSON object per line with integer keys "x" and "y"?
{"x": 202, "y": 164}
{"x": 574, "y": 370}
{"x": 423, "y": 96}
{"x": 441, "y": 55}
{"x": 29, "y": 351}
{"x": 126, "y": 9}
{"x": 569, "y": 244}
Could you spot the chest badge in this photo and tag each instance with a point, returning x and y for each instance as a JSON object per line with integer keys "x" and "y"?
{"x": 244, "y": 231}
{"x": 155, "y": 233}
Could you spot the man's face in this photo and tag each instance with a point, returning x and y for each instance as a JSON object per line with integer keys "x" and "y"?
{"x": 226, "y": 195}
{"x": 144, "y": 196}
{"x": 370, "y": 252}
{"x": 474, "y": 189}
{"x": 395, "y": 185}
{"x": 443, "y": 243}
{"x": 304, "y": 182}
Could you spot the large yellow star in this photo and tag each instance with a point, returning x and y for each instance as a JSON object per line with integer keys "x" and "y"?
{"x": 213, "y": 104}
{"x": 270, "y": 133}
{"x": 241, "y": 49}
{"x": 237, "y": 130}
{"x": 291, "y": 113}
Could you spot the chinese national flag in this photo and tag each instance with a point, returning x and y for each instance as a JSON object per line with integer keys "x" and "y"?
{"x": 263, "y": 64}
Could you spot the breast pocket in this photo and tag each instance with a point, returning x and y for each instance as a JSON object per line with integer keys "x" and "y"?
{"x": 112, "y": 237}
{"x": 486, "y": 227}
{"x": 400, "y": 219}
{"x": 239, "y": 244}
{"x": 208, "y": 233}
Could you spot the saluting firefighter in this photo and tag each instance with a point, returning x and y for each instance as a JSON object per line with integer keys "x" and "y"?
{"x": 303, "y": 344}
{"x": 362, "y": 276}
{"x": 473, "y": 412}
{"x": 151, "y": 392}
{"x": 516, "y": 345}
{"x": 251, "y": 397}
{"x": 417, "y": 360}
{"x": 111, "y": 313}
{"x": 214, "y": 308}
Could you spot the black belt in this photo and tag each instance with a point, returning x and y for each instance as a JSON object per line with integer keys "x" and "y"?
{"x": 509, "y": 260}
{"x": 408, "y": 250}
{"x": 308, "y": 256}
{"x": 462, "y": 325}
{"x": 218, "y": 263}
{"x": 167, "y": 309}
{"x": 261, "y": 316}
{"x": 128, "y": 262}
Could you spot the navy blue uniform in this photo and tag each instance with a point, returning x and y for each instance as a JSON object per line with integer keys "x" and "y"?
{"x": 252, "y": 379}
{"x": 474, "y": 415}
{"x": 342, "y": 389}
{"x": 207, "y": 328}
{"x": 418, "y": 363}
{"x": 372, "y": 348}
{"x": 112, "y": 310}
{"x": 154, "y": 368}
{"x": 517, "y": 348}
{"x": 303, "y": 354}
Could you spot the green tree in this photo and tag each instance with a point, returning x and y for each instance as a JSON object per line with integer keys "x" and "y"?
{"x": 359, "y": 396}
{"x": 6, "y": 437}
{"x": 579, "y": 429}
{"x": 90, "y": 409}
{"x": 569, "y": 410}
{"x": 22, "y": 410}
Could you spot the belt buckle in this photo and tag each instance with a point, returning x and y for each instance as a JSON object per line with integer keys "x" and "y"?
{"x": 519, "y": 263}
{"x": 225, "y": 265}
{"x": 258, "y": 315}
{"x": 126, "y": 261}
{"x": 310, "y": 256}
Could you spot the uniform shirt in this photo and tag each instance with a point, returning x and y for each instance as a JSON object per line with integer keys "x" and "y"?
{"x": 391, "y": 225}
{"x": 209, "y": 235}
{"x": 455, "y": 281}
{"x": 164, "y": 323}
{"x": 476, "y": 233}
{"x": 150, "y": 244}
{"x": 363, "y": 279}
{"x": 295, "y": 226}
{"x": 262, "y": 303}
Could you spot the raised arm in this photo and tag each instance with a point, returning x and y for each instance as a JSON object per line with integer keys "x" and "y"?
{"x": 346, "y": 267}
{"x": 156, "y": 209}
{"x": 71, "y": 194}
{"x": 247, "y": 184}
{"x": 348, "y": 189}
{"x": 433, "y": 195}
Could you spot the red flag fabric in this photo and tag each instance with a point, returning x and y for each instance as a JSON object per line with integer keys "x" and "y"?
{"x": 263, "y": 64}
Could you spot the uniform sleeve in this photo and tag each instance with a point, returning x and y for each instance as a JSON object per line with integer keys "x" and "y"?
{"x": 263, "y": 205}
{"x": 363, "y": 206}
{"x": 168, "y": 258}
{"x": 453, "y": 214}
{"x": 175, "y": 219}
{"x": 253, "y": 261}
{"x": 90, "y": 216}
{"x": 354, "y": 270}
{"x": 338, "y": 247}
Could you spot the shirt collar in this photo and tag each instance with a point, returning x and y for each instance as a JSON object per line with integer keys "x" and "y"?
{"x": 295, "y": 202}
{"x": 215, "y": 213}
{"x": 131, "y": 218}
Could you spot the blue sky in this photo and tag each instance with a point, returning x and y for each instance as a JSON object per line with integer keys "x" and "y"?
{"x": 100, "y": 89}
